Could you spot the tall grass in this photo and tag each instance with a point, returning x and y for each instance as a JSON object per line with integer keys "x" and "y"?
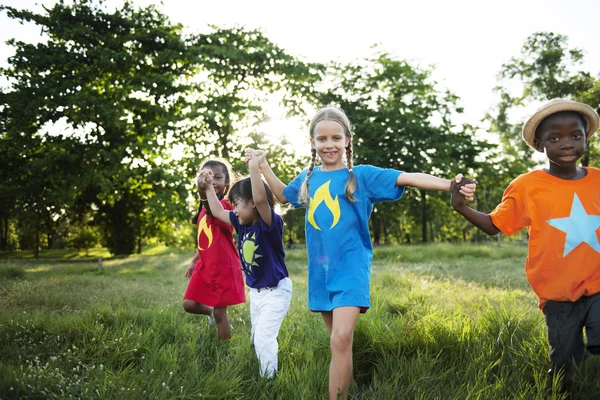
{"x": 446, "y": 322}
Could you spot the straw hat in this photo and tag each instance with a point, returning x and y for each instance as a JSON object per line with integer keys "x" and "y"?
{"x": 558, "y": 105}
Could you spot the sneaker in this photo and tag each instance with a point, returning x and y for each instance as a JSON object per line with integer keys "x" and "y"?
{"x": 211, "y": 318}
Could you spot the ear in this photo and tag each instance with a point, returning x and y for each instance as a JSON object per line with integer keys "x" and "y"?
{"x": 538, "y": 145}
{"x": 348, "y": 141}
{"x": 312, "y": 143}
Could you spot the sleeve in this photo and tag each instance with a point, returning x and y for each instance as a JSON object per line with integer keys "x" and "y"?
{"x": 379, "y": 183}
{"x": 217, "y": 222}
{"x": 234, "y": 221}
{"x": 292, "y": 190}
{"x": 276, "y": 223}
{"x": 510, "y": 216}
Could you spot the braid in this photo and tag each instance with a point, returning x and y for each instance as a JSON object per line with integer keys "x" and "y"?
{"x": 351, "y": 182}
{"x": 304, "y": 194}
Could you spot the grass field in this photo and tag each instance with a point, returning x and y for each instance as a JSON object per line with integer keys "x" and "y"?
{"x": 446, "y": 322}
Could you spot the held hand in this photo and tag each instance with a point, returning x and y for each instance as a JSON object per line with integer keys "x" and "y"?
{"x": 248, "y": 156}
{"x": 257, "y": 158}
{"x": 190, "y": 270}
{"x": 467, "y": 186}
{"x": 461, "y": 190}
{"x": 205, "y": 178}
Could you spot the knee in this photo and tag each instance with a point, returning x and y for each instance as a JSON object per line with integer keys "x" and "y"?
{"x": 220, "y": 315}
{"x": 341, "y": 341}
{"x": 188, "y": 305}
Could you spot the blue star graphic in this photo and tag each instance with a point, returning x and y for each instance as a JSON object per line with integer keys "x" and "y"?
{"x": 580, "y": 227}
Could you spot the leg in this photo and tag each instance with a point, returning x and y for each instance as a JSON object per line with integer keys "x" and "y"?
{"x": 196, "y": 308}
{"x": 340, "y": 370}
{"x": 592, "y": 324}
{"x": 565, "y": 337}
{"x": 273, "y": 308}
{"x": 223, "y": 327}
{"x": 328, "y": 319}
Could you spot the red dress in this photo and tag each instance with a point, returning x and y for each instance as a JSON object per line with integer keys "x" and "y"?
{"x": 217, "y": 280}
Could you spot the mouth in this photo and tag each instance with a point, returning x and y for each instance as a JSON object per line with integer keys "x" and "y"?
{"x": 330, "y": 153}
{"x": 568, "y": 158}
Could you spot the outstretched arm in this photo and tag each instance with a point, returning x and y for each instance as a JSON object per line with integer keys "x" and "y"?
{"x": 277, "y": 187}
{"x": 480, "y": 220}
{"x": 429, "y": 182}
{"x": 259, "y": 193}
{"x": 217, "y": 210}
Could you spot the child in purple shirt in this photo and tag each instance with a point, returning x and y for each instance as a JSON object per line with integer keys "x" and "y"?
{"x": 260, "y": 243}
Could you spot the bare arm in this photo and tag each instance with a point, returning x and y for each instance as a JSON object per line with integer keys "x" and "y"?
{"x": 429, "y": 182}
{"x": 190, "y": 268}
{"x": 277, "y": 187}
{"x": 423, "y": 181}
{"x": 259, "y": 194}
{"x": 480, "y": 220}
{"x": 217, "y": 210}
{"x": 202, "y": 193}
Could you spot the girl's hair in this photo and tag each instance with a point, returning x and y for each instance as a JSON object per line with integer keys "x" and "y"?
{"x": 330, "y": 113}
{"x": 242, "y": 190}
{"x": 226, "y": 167}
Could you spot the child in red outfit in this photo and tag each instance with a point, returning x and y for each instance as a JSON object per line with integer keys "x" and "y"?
{"x": 560, "y": 207}
{"x": 215, "y": 273}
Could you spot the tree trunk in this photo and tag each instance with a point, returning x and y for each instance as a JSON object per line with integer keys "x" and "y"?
{"x": 4, "y": 234}
{"x": 36, "y": 250}
{"x": 585, "y": 161}
{"x": 424, "y": 216}
{"x": 431, "y": 236}
{"x": 386, "y": 239}
{"x": 376, "y": 229}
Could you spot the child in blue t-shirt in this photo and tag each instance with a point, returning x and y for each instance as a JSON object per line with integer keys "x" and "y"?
{"x": 339, "y": 198}
{"x": 260, "y": 244}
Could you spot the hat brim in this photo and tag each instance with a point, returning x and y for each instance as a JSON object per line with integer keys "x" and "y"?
{"x": 558, "y": 105}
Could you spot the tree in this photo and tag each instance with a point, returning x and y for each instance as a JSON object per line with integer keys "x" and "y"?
{"x": 114, "y": 78}
{"x": 237, "y": 72}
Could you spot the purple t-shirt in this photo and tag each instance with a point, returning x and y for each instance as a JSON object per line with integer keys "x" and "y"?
{"x": 261, "y": 251}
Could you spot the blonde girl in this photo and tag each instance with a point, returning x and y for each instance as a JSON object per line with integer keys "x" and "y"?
{"x": 339, "y": 198}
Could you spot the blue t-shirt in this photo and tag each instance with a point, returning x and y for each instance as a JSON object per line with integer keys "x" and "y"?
{"x": 337, "y": 232}
{"x": 261, "y": 251}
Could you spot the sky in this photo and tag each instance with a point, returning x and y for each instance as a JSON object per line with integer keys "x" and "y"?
{"x": 465, "y": 41}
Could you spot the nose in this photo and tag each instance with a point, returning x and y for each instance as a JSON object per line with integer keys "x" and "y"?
{"x": 567, "y": 144}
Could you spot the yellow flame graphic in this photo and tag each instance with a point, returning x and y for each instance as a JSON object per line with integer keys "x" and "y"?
{"x": 202, "y": 227}
{"x": 323, "y": 195}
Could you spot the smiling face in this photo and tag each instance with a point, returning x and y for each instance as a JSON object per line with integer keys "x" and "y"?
{"x": 220, "y": 179}
{"x": 245, "y": 211}
{"x": 330, "y": 141}
{"x": 562, "y": 138}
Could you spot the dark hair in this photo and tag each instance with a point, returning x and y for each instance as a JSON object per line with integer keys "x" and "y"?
{"x": 242, "y": 190}
{"x": 567, "y": 112}
{"x": 226, "y": 167}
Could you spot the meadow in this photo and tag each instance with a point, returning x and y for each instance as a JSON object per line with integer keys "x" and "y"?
{"x": 447, "y": 321}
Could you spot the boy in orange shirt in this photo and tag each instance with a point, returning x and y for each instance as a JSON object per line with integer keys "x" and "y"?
{"x": 560, "y": 207}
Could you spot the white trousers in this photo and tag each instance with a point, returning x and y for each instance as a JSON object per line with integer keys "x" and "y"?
{"x": 267, "y": 310}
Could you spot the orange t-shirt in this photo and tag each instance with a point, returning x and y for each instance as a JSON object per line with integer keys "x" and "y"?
{"x": 562, "y": 218}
